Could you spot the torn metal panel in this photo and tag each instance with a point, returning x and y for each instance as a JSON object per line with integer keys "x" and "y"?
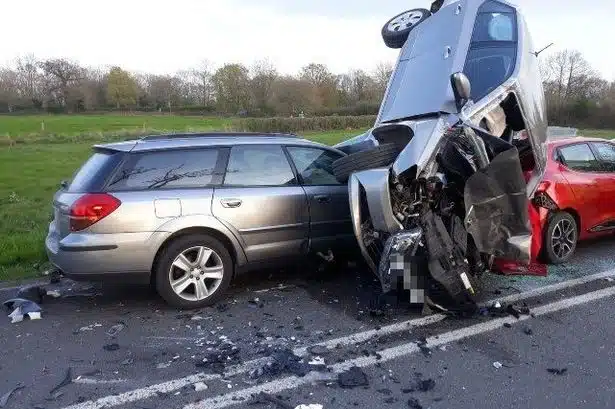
{"x": 396, "y": 264}
{"x": 497, "y": 209}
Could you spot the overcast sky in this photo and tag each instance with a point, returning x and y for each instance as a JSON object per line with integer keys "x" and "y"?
{"x": 166, "y": 36}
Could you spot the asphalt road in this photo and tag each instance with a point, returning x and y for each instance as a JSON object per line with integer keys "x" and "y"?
{"x": 158, "y": 356}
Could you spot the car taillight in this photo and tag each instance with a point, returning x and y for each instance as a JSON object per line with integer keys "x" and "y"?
{"x": 91, "y": 208}
{"x": 542, "y": 199}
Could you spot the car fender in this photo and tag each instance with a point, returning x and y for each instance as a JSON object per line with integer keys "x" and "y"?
{"x": 202, "y": 221}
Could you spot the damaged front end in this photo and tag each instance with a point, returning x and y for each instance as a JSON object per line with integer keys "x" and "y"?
{"x": 454, "y": 196}
{"x": 441, "y": 229}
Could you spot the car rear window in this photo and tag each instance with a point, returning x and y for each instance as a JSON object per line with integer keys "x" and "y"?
{"x": 167, "y": 170}
{"x": 93, "y": 173}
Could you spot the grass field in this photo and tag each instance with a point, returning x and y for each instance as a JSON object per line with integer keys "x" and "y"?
{"x": 30, "y": 173}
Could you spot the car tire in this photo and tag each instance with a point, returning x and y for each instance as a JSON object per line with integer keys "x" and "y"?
{"x": 382, "y": 155}
{"x": 560, "y": 239}
{"x": 395, "y": 32}
{"x": 212, "y": 277}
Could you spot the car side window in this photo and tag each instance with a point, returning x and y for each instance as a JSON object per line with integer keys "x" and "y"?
{"x": 169, "y": 169}
{"x": 606, "y": 153}
{"x": 314, "y": 165}
{"x": 258, "y": 165}
{"x": 580, "y": 157}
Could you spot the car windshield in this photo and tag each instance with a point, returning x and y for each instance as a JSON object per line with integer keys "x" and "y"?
{"x": 493, "y": 49}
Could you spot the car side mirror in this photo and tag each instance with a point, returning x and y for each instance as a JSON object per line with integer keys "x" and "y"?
{"x": 462, "y": 89}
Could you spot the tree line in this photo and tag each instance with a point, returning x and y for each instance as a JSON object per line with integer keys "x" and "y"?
{"x": 575, "y": 92}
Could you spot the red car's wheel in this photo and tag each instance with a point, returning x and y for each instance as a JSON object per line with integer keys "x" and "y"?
{"x": 561, "y": 238}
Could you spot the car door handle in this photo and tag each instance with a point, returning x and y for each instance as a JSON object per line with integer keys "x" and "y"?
{"x": 322, "y": 198}
{"x": 230, "y": 202}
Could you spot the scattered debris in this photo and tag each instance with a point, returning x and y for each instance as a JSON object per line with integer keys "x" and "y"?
{"x": 425, "y": 385}
{"x": 352, "y": 378}
{"x": 422, "y": 344}
{"x": 414, "y": 404}
{"x": 200, "y": 386}
{"x": 127, "y": 361}
{"x": 5, "y": 398}
{"x": 116, "y": 329}
{"x": 196, "y": 318}
{"x": 328, "y": 257}
{"x": 32, "y": 292}
{"x": 310, "y": 406}
{"x": 87, "y": 328}
{"x": 219, "y": 354}
{"x": 318, "y": 350}
{"x": 279, "y": 287}
{"x": 507, "y": 325}
{"x": 111, "y": 347}
{"x": 556, "y": 371}
{"x": 68, "y": 379}
{"x": 497, "y": 305}
{"x": 222, "y": 307}
{"x": 263, "y": 398}
{"x": 22, "y": 307}
{"x": 497, "y": 365}
{"x": 518, "y": 310}
{"x": 609, "y": 279}
{"x": 163, "y": 365}
{"x": 53, "y": 293}
{"x": 284, "y": 360}
{"x": 528, "y": 331}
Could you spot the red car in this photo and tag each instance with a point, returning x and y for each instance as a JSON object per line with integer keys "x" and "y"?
{"x": 572, "y": 201}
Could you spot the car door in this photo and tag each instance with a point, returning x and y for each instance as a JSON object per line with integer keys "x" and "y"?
{"x": 605, "y": 151}
{"x": 582, "y": 170}
{"x": 261, "y": 201}
{"x": 330, "y": 220}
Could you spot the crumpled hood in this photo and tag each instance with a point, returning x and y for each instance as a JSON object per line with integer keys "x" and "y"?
{"x": 434, "y": 50}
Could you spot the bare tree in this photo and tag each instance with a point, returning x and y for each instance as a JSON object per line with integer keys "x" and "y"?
{"x": 202, "y": 78}
{"x": 61, "y": 75}
{"x": 30, "y": 79}
{"x": 263, "y": 76}
{"x": 9, "y": 89}
{"x": 381, "y": 76}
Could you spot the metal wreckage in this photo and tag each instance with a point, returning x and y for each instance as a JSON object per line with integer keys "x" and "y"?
{"x": 440, "y": 186}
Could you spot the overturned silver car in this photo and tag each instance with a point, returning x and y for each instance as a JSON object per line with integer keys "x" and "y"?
{"x": 440, "y": 186}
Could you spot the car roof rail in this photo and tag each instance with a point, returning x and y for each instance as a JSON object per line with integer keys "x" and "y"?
{"x": 218, "y": 135}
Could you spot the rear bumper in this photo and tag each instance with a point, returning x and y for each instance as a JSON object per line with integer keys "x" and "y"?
{"x": 96, "y": 256}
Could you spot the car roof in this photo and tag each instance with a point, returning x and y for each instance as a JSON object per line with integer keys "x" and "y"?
{"x": 567, "y": 140}
{"x": 178, "y": 141}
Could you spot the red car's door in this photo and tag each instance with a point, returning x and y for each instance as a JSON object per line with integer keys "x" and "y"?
{"x": 584, "y": 173}
{"x": 605, "y": 151}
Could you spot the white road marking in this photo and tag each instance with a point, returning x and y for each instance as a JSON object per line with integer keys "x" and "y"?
{"x": 93, "y": 381}
{"x": 230, "y": 399}
{"x": 246, "y": 367}
{"x": 552, "y": 288}
{"x": 143, "y": 393}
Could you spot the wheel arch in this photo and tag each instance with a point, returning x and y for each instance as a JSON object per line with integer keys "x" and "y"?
{"x": 218, "y": 235}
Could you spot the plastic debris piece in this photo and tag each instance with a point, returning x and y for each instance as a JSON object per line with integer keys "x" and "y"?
{"x": 425, "y": 385}
{"x": 22, "y": 307}
{"x": 53, "y": 293}
{"x": 196, "y": 318}
{"x": 68, "y": 379}
{"x": 528, "y": 331}
{"x": 127, "y": 361}
{"x": 31, "y": 292}
{"x": 557, "y": 371}
{"x": 5, "y": 398}
{"x": 115, "y": 329}
{"x": 111, "y": 347}
{"x": 497, "y": 365}
{"x": 497, "y": 305}
{"x": 414, "y": 404}
{"x": 352, "y": 378}
{"x": 163, "y": 365}
{"x": 310, "y": 406}
{"x": 263, "y": 398}
{"x": 200, "y": 386}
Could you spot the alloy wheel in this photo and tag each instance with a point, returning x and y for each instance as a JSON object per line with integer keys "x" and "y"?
{"x": 196, "y": 273}
{"x": 563, "y": 238}
{"x": 405, "y": 20}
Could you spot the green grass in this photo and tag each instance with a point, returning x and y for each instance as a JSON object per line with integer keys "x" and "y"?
{"x": 70, "y": 125}
{"x": 30, "y": 175}
{"x": 598, "y": 133}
